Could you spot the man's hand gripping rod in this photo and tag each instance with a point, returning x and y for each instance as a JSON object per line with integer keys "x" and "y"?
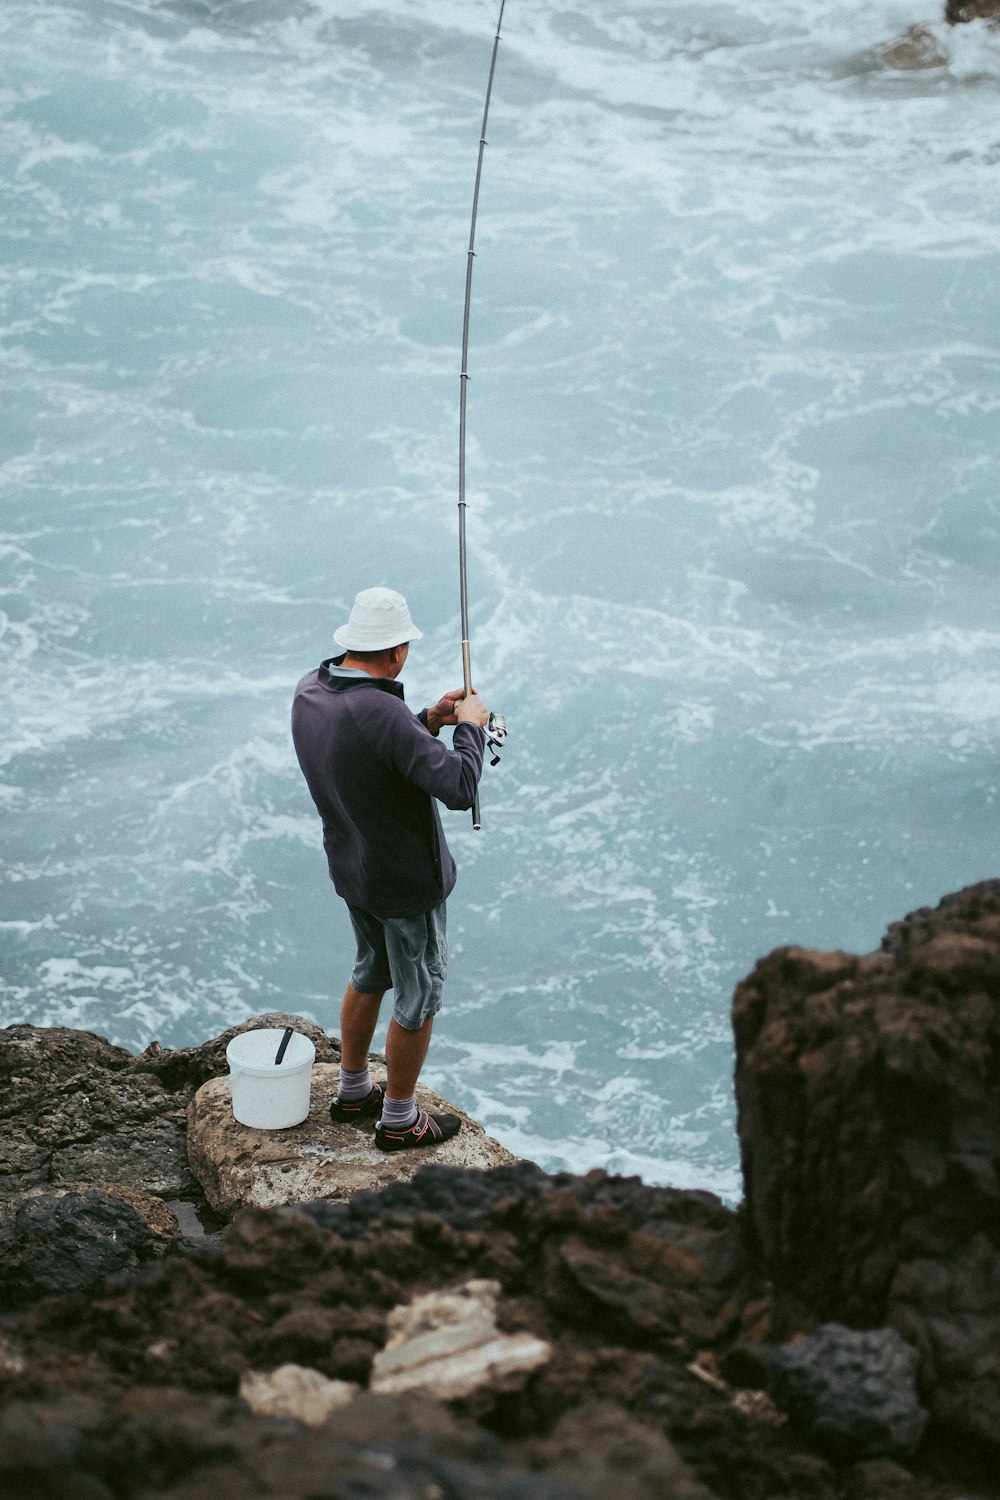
{"x": 496, "y": 729}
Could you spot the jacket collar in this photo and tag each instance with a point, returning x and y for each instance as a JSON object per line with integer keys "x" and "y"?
{"x": 336, "y": 684}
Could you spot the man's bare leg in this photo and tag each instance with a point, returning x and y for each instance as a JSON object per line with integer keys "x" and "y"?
{"x": 404, "y": 1053}
{"x": 358, "y": 1019}
{"x": 402, "y": 1125}
{"x": 357, "y": 1099}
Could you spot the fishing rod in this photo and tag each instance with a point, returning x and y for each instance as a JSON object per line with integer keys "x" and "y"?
{"x": 496, "y": 728}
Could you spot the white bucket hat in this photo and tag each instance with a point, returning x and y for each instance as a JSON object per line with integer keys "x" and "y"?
{"x": 379, "y": 620}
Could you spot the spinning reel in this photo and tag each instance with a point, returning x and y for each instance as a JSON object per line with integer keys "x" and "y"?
{"x": 496, "y": 735}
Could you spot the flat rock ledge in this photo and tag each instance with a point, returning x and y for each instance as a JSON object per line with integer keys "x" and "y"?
{"x": 240, "y": 1167}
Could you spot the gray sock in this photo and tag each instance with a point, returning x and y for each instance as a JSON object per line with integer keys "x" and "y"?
{"x": 399, "y": 1112}
{"x": 355, "y": 1083}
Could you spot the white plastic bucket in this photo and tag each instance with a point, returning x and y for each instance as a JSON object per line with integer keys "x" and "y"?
{"x": 267, "y": 1095}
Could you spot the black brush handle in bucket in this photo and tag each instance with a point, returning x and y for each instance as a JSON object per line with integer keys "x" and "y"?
{"x": 283, "y": 1046}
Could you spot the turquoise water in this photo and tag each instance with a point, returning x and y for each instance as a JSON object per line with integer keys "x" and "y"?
{"x": 733, "y": 511}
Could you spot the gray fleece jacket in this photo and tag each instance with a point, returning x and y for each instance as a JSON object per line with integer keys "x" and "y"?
{"x": 374, "y": 770}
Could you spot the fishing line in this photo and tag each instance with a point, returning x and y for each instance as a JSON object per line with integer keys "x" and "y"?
{"x": 496, "y": 729}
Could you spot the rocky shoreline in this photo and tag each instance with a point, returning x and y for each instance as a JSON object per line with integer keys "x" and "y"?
{"x": 500, "y": 1332}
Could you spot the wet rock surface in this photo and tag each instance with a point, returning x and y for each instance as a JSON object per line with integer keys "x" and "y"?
{"x": 182, "y": 1368}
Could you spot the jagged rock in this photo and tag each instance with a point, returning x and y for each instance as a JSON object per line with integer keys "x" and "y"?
{"x": 959, "y": 11}
{"x": 869, "y": 1123}
{"x": 70, "y": 1115}
{"x": 678, "y": 1279}
{"x": 600, "y": 1277}
{"x": 163, "y": 1356}
{"x": 853, "y": 1393}
{"x": 70, "y": 1241}
{"x": 75, "y": 1109}
{"x": 187, "y": 1068}
{"x": 447, "y": 1345}
{"x": 33, "y": 1058}
{"x": 160, "y": 1219}
{"x": 295, "y": 1391}
{"x": 238, "y": 1166}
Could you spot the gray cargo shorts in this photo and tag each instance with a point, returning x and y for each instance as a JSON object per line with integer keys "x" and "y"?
{"x": 408, "y": 955}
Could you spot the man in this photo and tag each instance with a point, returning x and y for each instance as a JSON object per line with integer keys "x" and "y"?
{"x": 374, "y": 770}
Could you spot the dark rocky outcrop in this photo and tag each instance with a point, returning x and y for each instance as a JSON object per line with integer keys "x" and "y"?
{"x": 959, "y": 11}
{"x": 74, "y": 1109}
{"x": 869, "y": 1123}
{"x": 630, "y": 1284}
{"x": 858, "y": 1283}
{"x": 71, "y": 1241}
{"x": 636, "y": 1289}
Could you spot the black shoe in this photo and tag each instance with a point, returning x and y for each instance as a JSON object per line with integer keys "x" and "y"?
{"x": 426, "y": 1130}
{"x": 357, "y": 1111}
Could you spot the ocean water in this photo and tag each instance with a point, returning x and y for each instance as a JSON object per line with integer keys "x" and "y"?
{"x": 734, "y": 519}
